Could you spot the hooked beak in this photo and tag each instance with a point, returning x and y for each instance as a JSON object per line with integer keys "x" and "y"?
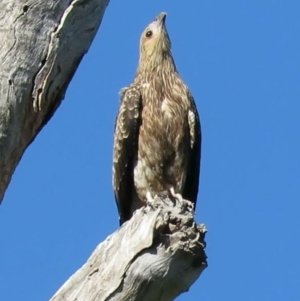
{"x": 161, "y": 18}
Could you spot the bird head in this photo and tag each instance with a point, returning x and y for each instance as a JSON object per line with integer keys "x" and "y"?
{"x": 155, "y": 43}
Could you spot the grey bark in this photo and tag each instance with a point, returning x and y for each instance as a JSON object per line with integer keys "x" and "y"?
{"x": 42, "y": 44}
{"x": 155, "y": 256}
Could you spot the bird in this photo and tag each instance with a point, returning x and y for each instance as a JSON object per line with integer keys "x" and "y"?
{"x": 157, "y": 133}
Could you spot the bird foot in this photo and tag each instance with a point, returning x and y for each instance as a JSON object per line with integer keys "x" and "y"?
{"x": 181, "y": 201}
{"x": 149, "y": 199}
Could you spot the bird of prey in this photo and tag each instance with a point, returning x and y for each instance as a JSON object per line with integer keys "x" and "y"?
{"x": 157, "y": 139}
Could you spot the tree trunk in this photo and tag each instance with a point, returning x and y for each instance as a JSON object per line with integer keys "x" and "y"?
{"x": 155, "y": 256}
{"x": 42, "y": 44}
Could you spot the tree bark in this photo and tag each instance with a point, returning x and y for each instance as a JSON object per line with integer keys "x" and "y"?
{"x": 42, "y": 44}
{"x": 155, "y": 256}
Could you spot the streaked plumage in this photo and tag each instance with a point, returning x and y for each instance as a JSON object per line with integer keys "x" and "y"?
{"x": 157, "y": 141}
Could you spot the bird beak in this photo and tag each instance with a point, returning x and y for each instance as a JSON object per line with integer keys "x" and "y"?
{"x": 161, "y": 18}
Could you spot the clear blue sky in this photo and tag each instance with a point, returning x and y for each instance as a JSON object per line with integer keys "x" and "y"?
{"x": 241, "y": 62}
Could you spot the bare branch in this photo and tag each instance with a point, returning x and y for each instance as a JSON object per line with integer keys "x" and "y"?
{"x": 156, "y": 255}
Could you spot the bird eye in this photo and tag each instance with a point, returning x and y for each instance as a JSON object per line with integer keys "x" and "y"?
{"x": 148, "y": 33}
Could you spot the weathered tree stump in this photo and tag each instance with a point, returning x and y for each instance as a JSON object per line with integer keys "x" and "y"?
{"x": 155, "y": 256}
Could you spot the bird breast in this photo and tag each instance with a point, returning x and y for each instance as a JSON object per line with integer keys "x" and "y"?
{"x": 166, "y": 108}
{"x": 163, "y": 145}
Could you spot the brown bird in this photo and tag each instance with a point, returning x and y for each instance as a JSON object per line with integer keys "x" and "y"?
{"x": 157, "y": 141}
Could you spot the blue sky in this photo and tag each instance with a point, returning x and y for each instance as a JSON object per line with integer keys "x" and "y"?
{"x": 241, "y": 62}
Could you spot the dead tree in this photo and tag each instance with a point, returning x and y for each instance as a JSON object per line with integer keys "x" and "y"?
{"x": 155, "y": 256}
{"x": 42, "y": 44}
{"x": 159, "y": 253}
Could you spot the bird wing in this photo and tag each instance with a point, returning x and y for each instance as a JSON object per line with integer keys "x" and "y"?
{"x": 125, "y": 149}
{"x": 190, "y": 190}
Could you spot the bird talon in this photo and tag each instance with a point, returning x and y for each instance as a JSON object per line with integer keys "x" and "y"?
{"x": 149, "y": 199}
{"x": 176, "y": 196}
{"x": 180, "y": 200}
